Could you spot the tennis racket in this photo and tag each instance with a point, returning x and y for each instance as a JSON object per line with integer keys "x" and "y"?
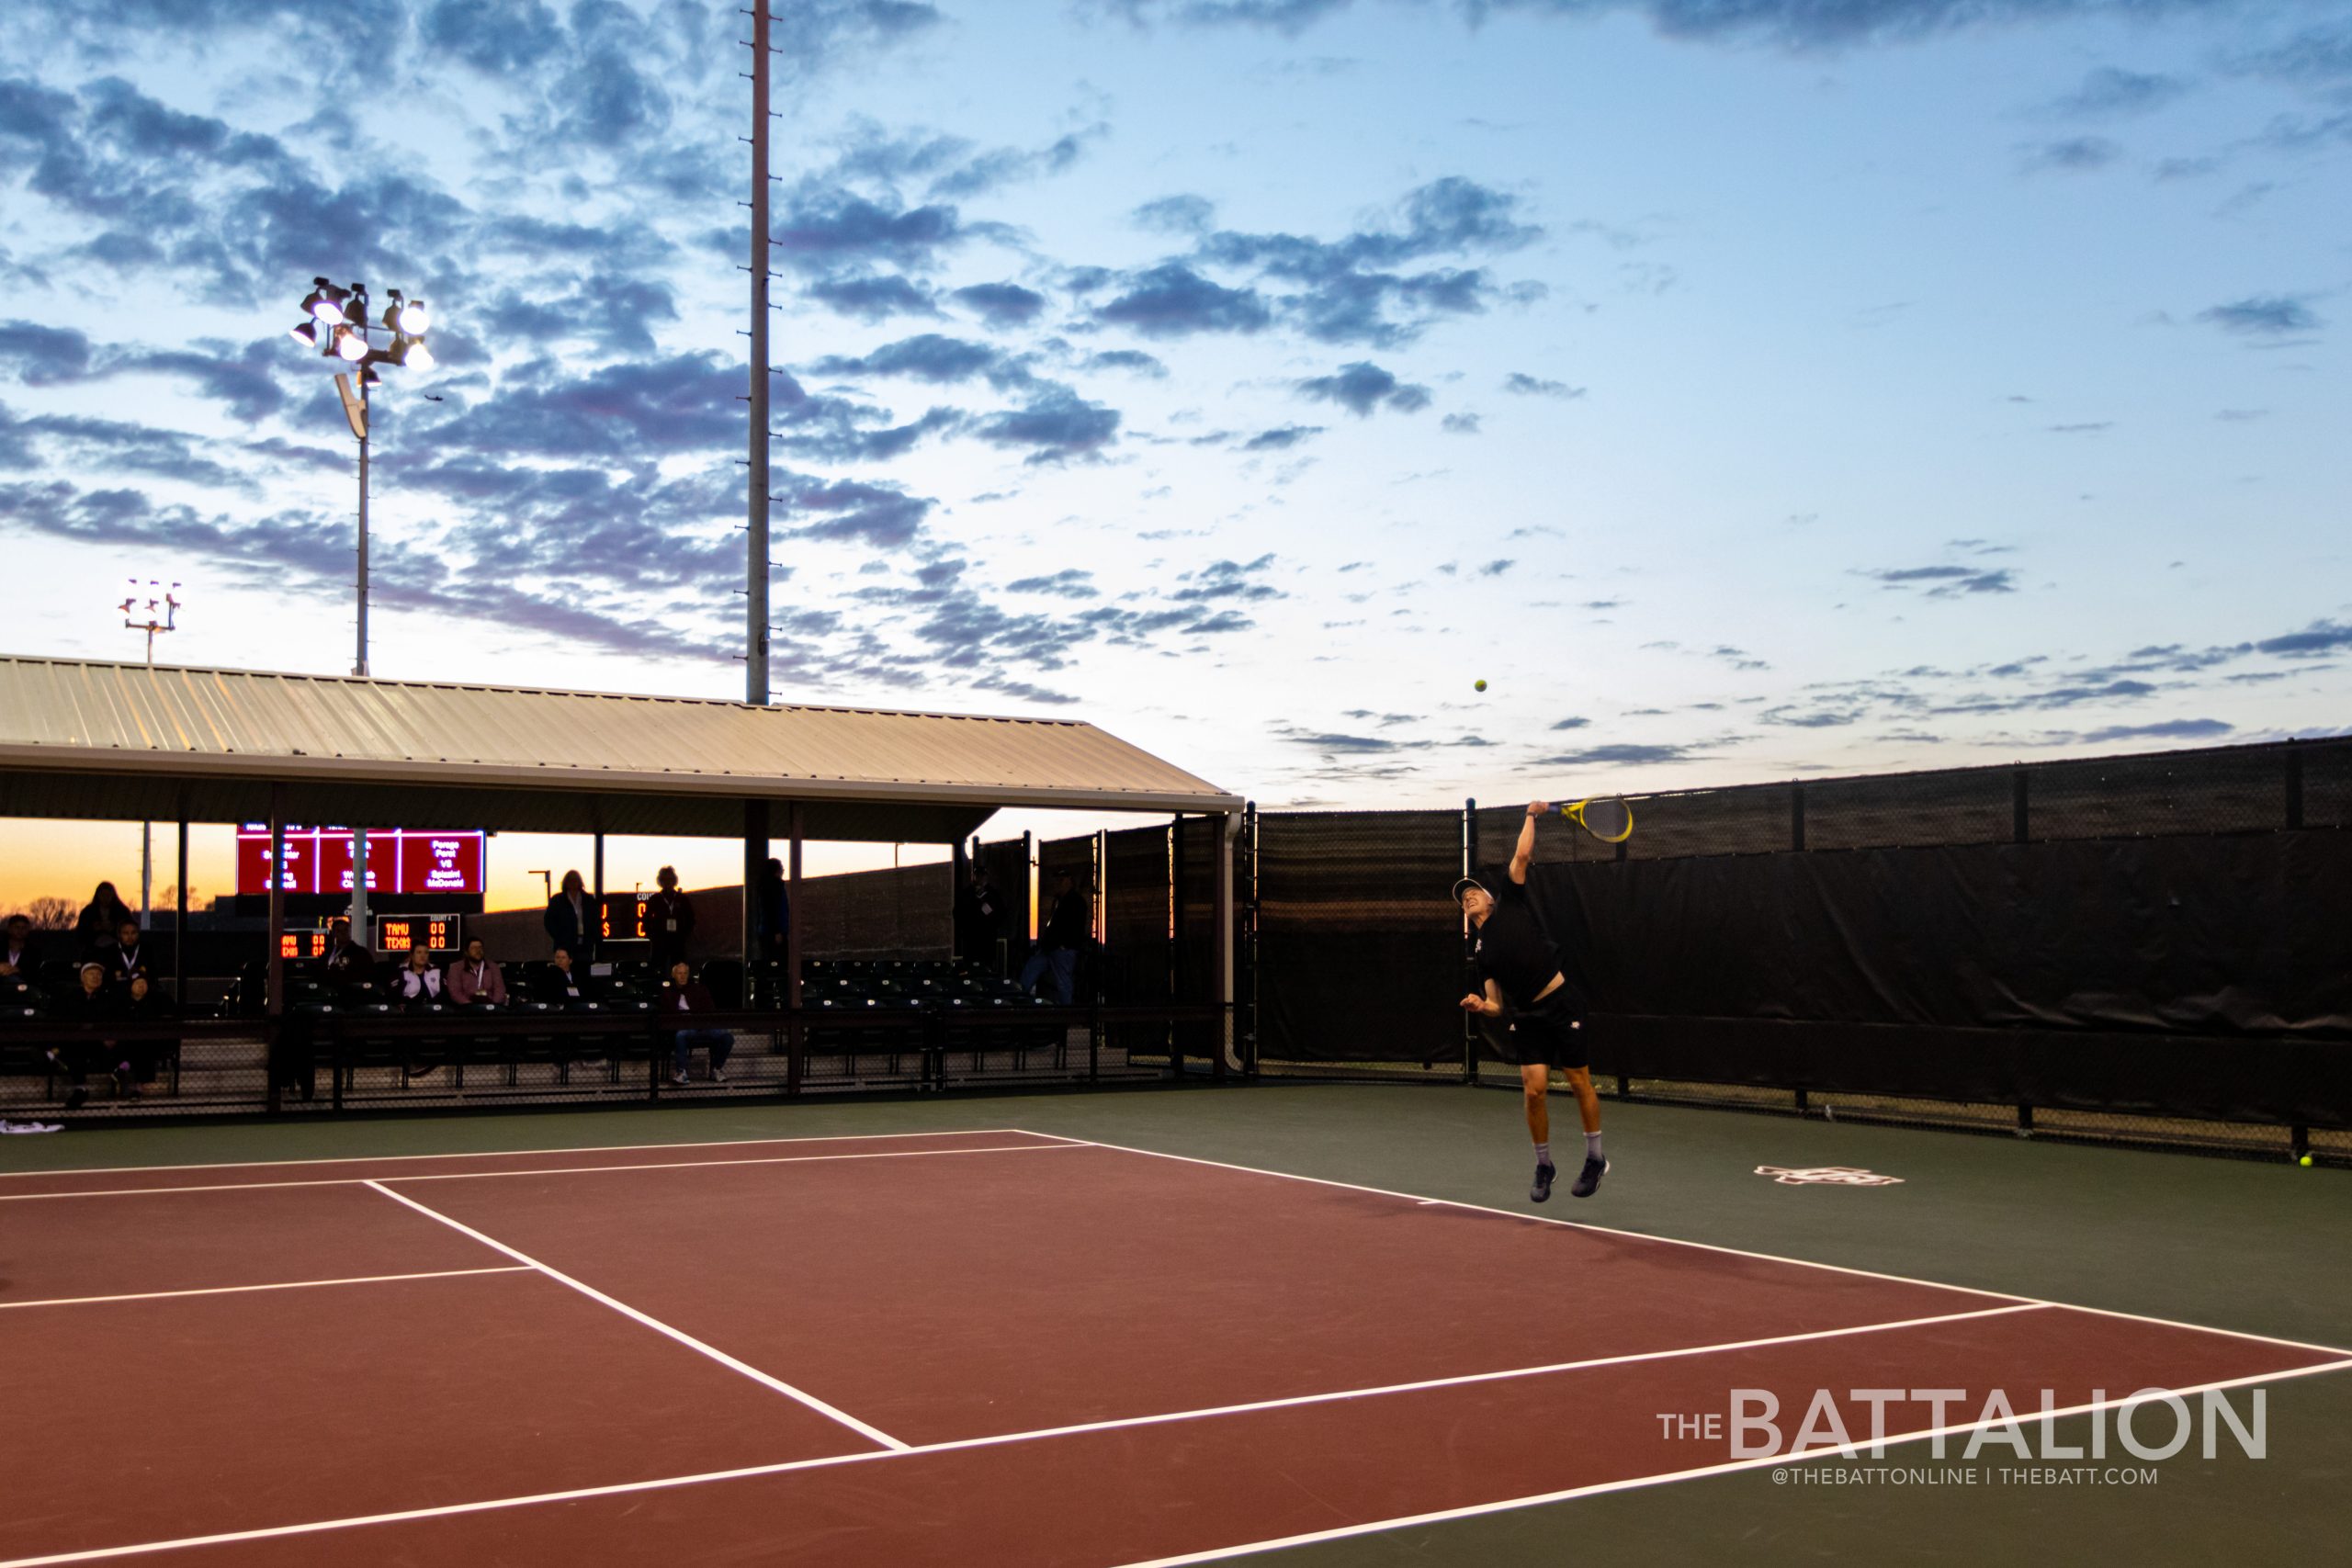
{"x": 1606, "y": 818}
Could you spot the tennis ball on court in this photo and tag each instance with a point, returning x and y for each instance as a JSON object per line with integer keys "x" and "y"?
{"x": 2305, "y": 1161}
{"x": 1478, "y": 686}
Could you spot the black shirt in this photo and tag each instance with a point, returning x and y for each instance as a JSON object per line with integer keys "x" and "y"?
{"x": 1511, "y": 949}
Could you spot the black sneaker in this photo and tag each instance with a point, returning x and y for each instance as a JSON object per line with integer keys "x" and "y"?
{"x": 1541, "y": 1189}
{"x": 1588, "y": 1178}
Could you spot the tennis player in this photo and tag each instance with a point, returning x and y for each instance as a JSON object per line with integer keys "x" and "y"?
{"x": 1522, "y": 973}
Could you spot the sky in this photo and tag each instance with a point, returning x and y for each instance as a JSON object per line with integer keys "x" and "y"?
{"x": 1743, "y": 391}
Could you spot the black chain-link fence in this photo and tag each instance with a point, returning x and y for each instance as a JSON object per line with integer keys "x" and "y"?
{"x": 2183, "y": 984}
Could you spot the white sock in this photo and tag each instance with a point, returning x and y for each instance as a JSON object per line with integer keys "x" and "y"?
{"x": 1592, "y": 1145}
{"x": 1542, "y": 1154}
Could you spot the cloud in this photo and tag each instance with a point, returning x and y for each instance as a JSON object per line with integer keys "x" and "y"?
{"x": 2170, "y": 729}
{"x": 1172, "y": 300}
{"x": 1946, "y": 582}
{"x": 867, "y": 297}
{"x": 1053, "y": 428}
{"x": 1002, "y": 304}
{"x": 929, "y": 356}
{"x": 2072, "y": 155}
{"x": 1229, "y": 579}
{"x": 1618, "y": 754}
{"x": 2265, "y": 315}
{"x": 2320, "y": 636}
{"x": 1527, "y": 386}
{"x": 1573, "y": 723}
{"x": 2112, "y": 91}
{"x": 1068, "y": 583}
{"x": 1134, "y": 360}
{"x": 1280, "y": 439}
{"x": 1497, "y": 568}
{"x": 1176, "y": 215}
{"x": 1460, "y": 423}
{"x": 1362, "y": 387}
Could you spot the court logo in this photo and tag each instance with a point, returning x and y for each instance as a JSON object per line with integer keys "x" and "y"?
{"x": 1826, "y": 1175}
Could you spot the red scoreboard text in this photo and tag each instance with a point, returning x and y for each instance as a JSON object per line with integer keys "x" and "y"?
{"x": 400, "y": 860}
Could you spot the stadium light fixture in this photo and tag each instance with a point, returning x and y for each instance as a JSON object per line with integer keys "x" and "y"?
{"x": 340, "y": 325}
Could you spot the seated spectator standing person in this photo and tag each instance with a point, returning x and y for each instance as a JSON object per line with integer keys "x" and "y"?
{"x": 88, "y": 1002}
{"x": 349, "y": 965}
{"x": 978, "y": 920}
{"x": 20, "y": 959}
{"x": 101, "y": 918}
{"x": 771, "y": 912}
{"x": 135, "y": 1061}
{"x": 558, "y": 984}
{"x": 124, "y": 958}
{"x": 1067, "y": 928}
{"x": 668, "y": 919}
{"x": 572, "y": 921}
{"x": 474, "y": 979}
{"x": 682, "y": 993}
{"x": 418, "y": 985}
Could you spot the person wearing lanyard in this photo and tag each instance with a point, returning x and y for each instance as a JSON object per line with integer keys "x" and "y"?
{"x": 682, "y": 993}
{"x": 668, "y": 919}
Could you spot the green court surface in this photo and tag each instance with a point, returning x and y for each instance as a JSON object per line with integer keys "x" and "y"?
{"x": 2257, "y": 1247}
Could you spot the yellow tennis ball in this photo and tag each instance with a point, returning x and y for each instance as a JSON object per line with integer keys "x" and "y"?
{"x": 2306, "y": 1160}
{"x": 1478, "y": 685}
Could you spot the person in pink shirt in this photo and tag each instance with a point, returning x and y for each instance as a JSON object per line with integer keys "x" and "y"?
{"x": 474, "y": 979}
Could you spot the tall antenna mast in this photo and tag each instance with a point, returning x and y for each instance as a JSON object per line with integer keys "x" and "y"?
{"x": 755, "y": 625}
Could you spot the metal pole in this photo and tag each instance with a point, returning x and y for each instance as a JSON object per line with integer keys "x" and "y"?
{"x": 1228, "y": 834}
{"x": 755, "y": 642}
{"x": 359, "y": 887}
{"x": 179, "y": 923}
{"x": 360, "y": 668}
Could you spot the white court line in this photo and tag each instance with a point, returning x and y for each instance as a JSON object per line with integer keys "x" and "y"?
{"x": 1734, "y": 1251}
{"x": 1801, "y": 1456}
{"x": 784, "y": 1467}
{"x": 280, "y": 1285}
{"x": 688, "y": 1340}
{"x": 535, "y": 1170}
{"x": 516, "y": 1154}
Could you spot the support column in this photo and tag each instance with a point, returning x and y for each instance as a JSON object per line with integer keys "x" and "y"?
{"x": 796, "y": 1032}
{"x": 755, "y": 859}
{"x": 179, "y": 924}
{"x": 274, "y": 1050}
{"x": 1229, "y": 833}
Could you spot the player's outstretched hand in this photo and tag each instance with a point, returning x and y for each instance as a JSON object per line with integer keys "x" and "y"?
{"x": 1474, "y": 1002}
{"x": 1539, "y": 807}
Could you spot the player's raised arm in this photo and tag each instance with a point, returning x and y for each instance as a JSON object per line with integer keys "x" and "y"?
{"x": 1523, "y": 854}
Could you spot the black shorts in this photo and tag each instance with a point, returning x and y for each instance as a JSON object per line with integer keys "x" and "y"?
{"x": 1551, "y": 1032}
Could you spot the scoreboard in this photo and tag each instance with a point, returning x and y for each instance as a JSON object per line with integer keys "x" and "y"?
{"x": 623, "y": 919}
{"x": 400, "y": 860}
{"x": 394, "y": 933}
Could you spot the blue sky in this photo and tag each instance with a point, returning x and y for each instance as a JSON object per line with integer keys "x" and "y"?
{"x": 1743, "y": 391}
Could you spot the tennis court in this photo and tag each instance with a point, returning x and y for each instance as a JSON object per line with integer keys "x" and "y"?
{"x": 996, "y": 1332}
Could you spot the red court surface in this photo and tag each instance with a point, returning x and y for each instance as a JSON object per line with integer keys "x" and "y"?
{"x": 991, "y": 1347}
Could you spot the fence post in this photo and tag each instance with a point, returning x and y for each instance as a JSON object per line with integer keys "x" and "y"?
{"x": 2294, "y": 759}
{"x": 1797, "y": 815}
{"x": 1469, "y": 868}
{"x": 2018, "y": 820}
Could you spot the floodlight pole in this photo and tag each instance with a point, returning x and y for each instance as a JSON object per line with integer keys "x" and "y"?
{"x": 359, "y": 664}
{"x": 756, "y": 824}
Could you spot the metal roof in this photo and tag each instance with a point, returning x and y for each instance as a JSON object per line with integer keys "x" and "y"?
{"x": 85, "y": 738}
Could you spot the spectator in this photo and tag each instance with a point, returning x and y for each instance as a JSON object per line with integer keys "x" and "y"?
{"x": 121, "y": 955}
{"x": 1068, "y": 926}
{"x": 474, "y": 979}
{"x": 558, "y": 984}
{"x": 682, "y": 993}
{"x": 419, "y": 984}
{"x": 668, "y": 919}
{"x": 349, "y": 965}
{"x": 572, "y": 922}
{"x": 135, "y": 1060}
{"x": 978, "y": 918}
{"x": 101, "y": 918}
{"x": 20, "y": 959}
{"x": 86, "y": 1003}
{"x": 771, "y": 912}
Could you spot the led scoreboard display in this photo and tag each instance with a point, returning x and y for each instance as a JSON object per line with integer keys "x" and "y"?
{"x": 624, "y": 917}
{"x": 394, "y": 933}
{"x": 400, "y": 860}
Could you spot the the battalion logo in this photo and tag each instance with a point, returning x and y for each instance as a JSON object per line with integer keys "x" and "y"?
{"x": 1826, "y": 1175}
